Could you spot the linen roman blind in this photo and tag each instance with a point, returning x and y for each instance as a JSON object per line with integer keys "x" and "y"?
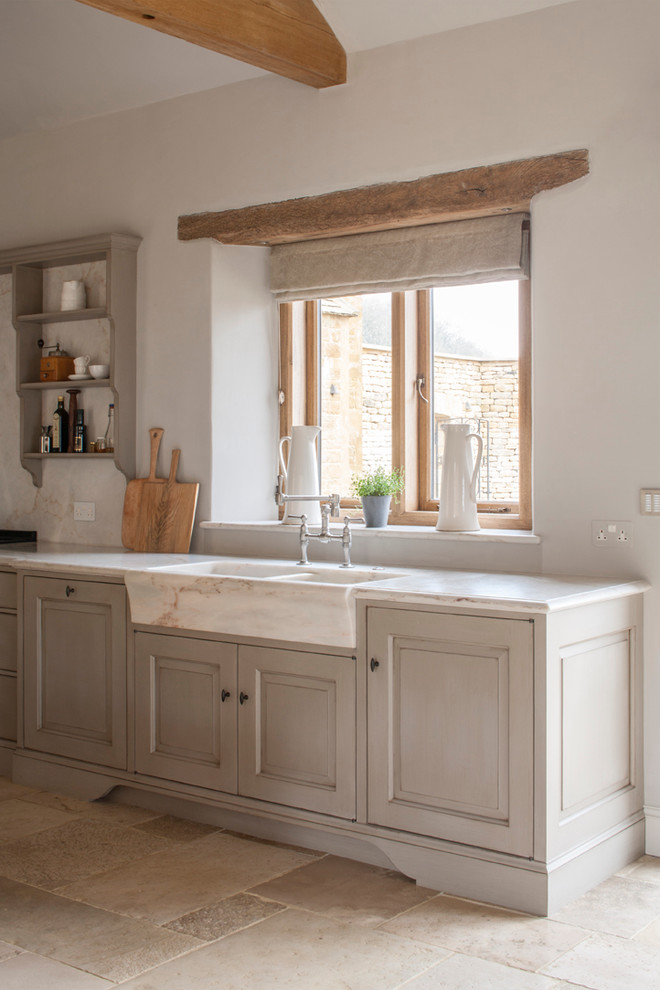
{"x": 485, "y": 249}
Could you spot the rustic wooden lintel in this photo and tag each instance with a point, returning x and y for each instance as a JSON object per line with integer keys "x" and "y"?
{"x": 473, "y": 192}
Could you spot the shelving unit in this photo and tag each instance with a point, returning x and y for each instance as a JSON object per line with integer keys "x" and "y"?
{"x": 37, "y": 275}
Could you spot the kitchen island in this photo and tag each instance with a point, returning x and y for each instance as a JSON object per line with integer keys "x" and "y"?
{"x": 479, "y": 731}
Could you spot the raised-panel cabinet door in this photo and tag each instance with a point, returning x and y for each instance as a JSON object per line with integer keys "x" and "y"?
{"x": 450, "y": 716}
{"x": 8, "y": 646}
{"x": 75, "y": 669}
{"x": 185, "y": 703}
{"x": 7, "y": 707}
{"x": 296, "y": 724}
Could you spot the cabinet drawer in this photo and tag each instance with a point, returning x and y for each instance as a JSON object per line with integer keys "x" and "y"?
{"x": 8, "y": 707}
{"x": 8, "y": 640}
{"x": 7, "y": 589}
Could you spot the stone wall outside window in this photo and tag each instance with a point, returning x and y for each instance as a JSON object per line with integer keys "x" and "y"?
{"x": 356, "y": 409}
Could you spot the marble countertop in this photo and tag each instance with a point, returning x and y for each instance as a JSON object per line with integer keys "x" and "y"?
{"x": 459, "y": 588}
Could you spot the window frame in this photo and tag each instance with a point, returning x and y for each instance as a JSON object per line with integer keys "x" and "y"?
{"x": 411, "y": 419}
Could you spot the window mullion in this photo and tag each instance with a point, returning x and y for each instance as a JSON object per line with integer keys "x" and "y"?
{"x": 525, "y": 402}
{"x": 404, "y": 398}
{"x": 312, "y": 363}
{"x": 425, "y": 409}
{"x": 285, "y": 391}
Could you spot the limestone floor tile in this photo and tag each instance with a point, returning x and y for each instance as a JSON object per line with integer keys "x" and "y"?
{"x": 99, "y": 942}
{"x": 346, "y": 890}
{"x": 492, "y": 933}
{"x": 10, "y": 790}
{"x": 619, "y": 906}
{"x": 176, "y": 829}
{"x": 72, "y": 851}
{"x": 650, "y": 934}
{"x": 647, "y": 868}
{"x": 186, "y": 877}
{"x": 7, "y": 951}
{"x": 316, "y": 853}
{"x": 606, "y": 962}
{"x": 102, "y": 810}
{"x": 20, "y": 818}
{"x": 466, "y": 973}
{"x": 295, "y": 949}
{"x": 30, "y": 972}
{"x": 225, "y": 917}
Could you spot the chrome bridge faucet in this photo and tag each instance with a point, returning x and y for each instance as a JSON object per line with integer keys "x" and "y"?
{"x": 325, "y": 536}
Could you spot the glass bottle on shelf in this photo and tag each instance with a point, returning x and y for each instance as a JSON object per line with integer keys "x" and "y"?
{"x": 110, "y": 430}
{"x": 79, "y": 433}
{"x": 60, "y": 428}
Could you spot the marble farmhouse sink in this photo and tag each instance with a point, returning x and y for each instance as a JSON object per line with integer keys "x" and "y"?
{"x": 263, "y": 598}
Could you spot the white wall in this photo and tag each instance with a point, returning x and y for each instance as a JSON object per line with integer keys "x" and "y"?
{"x": 584, "y": 75}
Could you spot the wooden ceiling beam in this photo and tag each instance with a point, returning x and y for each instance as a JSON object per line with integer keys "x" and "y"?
{"x": 288, "y": 37}
{"x": 473, "y": 192}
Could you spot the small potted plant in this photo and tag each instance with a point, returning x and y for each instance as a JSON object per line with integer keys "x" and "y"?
{"x": 375, "y": 490}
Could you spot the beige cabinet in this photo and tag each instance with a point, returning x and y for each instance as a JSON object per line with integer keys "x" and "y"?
{"x": 8, "y": 659}
{"x": 185, "y": 704}
{"x": 297, "y": 729}
{"x": 75, "y": 669}
{"x": 272, "y": 724}
{"x": 450, "y": 727}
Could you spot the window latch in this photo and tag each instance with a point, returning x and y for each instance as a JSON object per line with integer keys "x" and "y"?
{"x": 420, "y": 382}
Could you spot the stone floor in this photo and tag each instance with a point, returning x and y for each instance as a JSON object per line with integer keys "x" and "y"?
{"x": 103, "y": 895}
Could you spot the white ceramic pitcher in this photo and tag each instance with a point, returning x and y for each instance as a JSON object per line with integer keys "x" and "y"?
{"x": 458, "y": 484}
{"x": 301, "y": 474}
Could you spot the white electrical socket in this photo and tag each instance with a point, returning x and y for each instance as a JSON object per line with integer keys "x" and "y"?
{"x": 611, "y": 532}
{"x": 84, "y": 511}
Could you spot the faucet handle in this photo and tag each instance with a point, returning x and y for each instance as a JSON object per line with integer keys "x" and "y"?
{"x": 334, "y": 503}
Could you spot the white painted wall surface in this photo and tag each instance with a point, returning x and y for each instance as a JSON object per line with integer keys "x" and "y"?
{"x": 584, "y": 75}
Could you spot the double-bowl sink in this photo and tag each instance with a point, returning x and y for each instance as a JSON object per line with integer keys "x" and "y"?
{"x": 248, "y": 597}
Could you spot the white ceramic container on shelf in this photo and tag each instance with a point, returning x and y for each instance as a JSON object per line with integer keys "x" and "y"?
{"x": 301, "y": 474}
{"x": 73, "y": 295}
{"x": 99, "y": 370}
{"x": 458, "y": 485}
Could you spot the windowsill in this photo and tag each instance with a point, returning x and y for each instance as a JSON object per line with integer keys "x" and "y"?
{"x": 359, "y": 531}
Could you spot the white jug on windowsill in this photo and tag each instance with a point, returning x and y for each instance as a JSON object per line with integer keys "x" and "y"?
{"x": 458, "y": 485}
{"x": 301, "y": 474}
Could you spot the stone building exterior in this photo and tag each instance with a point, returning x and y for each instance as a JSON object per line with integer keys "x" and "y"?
{"x": 356, "y": 407}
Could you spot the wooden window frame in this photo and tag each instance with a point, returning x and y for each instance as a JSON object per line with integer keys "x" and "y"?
{"x": 411, "y": 419}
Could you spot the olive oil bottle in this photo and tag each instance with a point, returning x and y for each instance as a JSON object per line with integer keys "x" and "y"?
{"x": 60, "y": 428}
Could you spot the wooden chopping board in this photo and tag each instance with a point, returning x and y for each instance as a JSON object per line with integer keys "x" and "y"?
{"x": 142, "y": 494}
{"x": 169, "y": 527}
{"x": 167, "y": 514}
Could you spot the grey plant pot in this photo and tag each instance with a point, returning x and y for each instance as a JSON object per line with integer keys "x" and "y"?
{"x": 375, "y": 509}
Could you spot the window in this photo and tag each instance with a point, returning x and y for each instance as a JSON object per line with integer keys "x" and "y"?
{"x": 381, "y": 371}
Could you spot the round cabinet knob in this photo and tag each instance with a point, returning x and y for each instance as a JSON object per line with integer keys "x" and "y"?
{"x": 374, "y": 664}
{"x": 69, "y": 591}
{"x": 225, "y": 695}
{"x": 242, "y": 698}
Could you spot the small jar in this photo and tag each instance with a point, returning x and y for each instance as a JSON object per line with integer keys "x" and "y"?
{"x": 100, "y": 445}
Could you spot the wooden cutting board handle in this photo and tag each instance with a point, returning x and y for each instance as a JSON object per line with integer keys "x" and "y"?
{"x": 155, "y": 436}
{"x": 174, "y": 466}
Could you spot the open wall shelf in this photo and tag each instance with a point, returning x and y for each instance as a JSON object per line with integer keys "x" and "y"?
{"x": 38, "y": 273}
